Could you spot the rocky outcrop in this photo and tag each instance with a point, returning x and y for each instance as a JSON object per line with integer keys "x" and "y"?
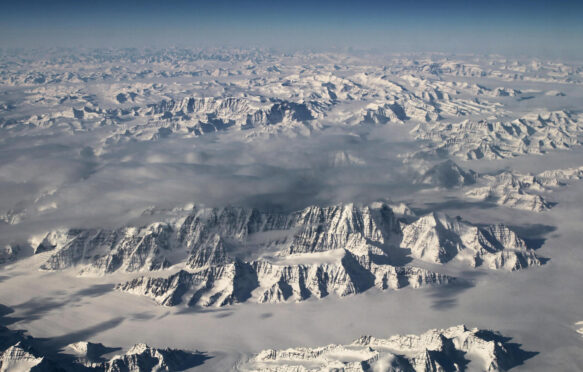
{"x": 451, "y": 349}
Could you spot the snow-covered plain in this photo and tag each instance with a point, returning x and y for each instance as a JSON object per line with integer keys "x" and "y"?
{"x": 225, "y": 202}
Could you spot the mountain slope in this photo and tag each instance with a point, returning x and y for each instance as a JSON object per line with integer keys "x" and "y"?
{"x": 453, "y": 349}
{"x": 438, "y": 238}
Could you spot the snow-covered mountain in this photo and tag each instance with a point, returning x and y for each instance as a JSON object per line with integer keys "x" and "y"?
{"x": 439, "y": 238}
{"x": 99, "y": 149}
{"x": 9, "y": 253}
{"x": 535, "y": 133}
{"x": 296, "y": 97}
{"x": 342, "y": 250}
{"x": 215, "y": 237}
{"x": 451, "y": 349}
{"x": 264, "y": 282}
{"x": 523, "y": 191}
{"x": 142, "y": 357}
{"x": 24, "y": 353}
{"x": 18, "y": 358}
{"x": 447, "y": 174}
{"x": 204, "y": 236}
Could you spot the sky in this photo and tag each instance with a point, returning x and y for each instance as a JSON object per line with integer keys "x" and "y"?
{"x": 533, "y": 27}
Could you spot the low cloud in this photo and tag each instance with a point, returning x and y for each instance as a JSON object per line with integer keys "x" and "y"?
{"x": 83, "y": 190}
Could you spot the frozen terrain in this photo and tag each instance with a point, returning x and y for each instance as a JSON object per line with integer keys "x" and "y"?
{"x": 24, "y": 353}
{"x": 221, "y": 209}
{"x": 455, "y": 348}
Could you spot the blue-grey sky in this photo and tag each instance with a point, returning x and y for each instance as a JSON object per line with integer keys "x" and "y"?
{"x": 534, "y": 27}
